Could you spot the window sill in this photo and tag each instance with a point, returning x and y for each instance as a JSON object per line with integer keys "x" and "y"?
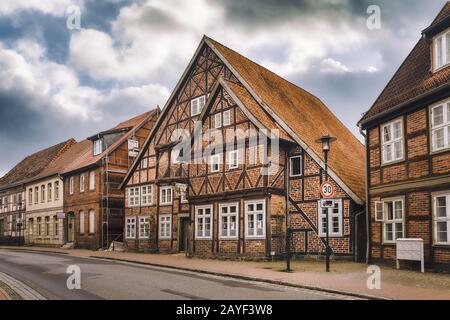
{"x": 203, "y": 238}
{"x": 165, "y": 238}
{"x": 437, "y": 245}
{"x": 255, "y": 237}
{"x": 228, "y": 238}
{"x": 386, "y": 164}
{"x": 165, "y": 204}
{"x": 435, "y": 152}
{"x": 332, "y": 236}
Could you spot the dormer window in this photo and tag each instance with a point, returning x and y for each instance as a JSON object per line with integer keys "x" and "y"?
{"x": 197, "y": 105}
{"x": 98, "y": 147}
{"x": 441, "y": 45}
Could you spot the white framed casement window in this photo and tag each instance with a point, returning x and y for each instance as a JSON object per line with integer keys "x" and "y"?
{"x": 165, "y": 195}
{"x": 144, "y": 163}
{"x": 392, "y": 141}
{"x": 56, "y": 190}
{"x": 197, "y": 105}
{"x": 130, "y": 228}
{"x": 91, "y": 221}
{"x": 203, "y": 218}
{"x": 255, "y": 219}
{"x": 134, "y": 197}
{"x": 165, "y": 226}
{"x": 226, "y": 118}
{"x": 215, "y": 163}
{"x": 233, "y": 159}
{"x": 379, "y": 211}
{"x": 81, "y": 222}
{"x": 144, "y": 227}
{"x": 92, "y": 180}
{"x": 441, "y": 45}
{"x": 335, "y": 217}
{"x": 39, "y": 225}
{"x": 253, "y": 155}
{"x": 82, "y": 183}
{"x": 36, "y": 195}
{"x": 217, "y": 120}
{"x": 98, "y": 147}
{"x": 393, "y": 224}
{"x": 229, "y": 220}
{"x": 146, "y": 195}
{"x": 71, "y": 185}
{"x": 440, "y": 126}
{"x": 30, "y": 197}
{"x": 441, "y": 218}
{"x": 295, "y": 166}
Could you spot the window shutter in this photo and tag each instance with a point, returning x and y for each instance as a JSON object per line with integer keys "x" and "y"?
{"x": 379, "y": 211}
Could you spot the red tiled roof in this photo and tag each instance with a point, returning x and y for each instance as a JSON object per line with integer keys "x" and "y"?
{"x": 306, "y": 115}
{"x": 34, "y": 164}
{"x": 86, "y": 157}
{"x": 413, "y": 78}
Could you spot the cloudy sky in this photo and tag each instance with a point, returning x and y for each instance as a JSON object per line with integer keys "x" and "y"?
{"x": 58, "y": 82}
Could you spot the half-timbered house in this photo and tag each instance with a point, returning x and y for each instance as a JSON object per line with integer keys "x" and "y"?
{"x": 408, "y": 151}
{"x": 232, "y": 201}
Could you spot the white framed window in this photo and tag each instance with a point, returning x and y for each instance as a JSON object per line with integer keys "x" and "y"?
{"x": 30, "y": 197}
{"x": 183, "y": 194}
{"x": 255, "y": 219}
{"x": 217, "y": 120}
{"x": 227, "y": 118}
{"x": 92, "y": 180}
{"x": 165, "y": 226}
{"x": 130, "y": 229}
{"x": 165, "y": 195}
{"x": 441, "y": 218}
{"x": 392, "y": 141}
{"x": 47, "y": 226}
{"x": 49, "y": 192}
{"x": 82, "y": 183}
{"x": 440, "y": 126}
{"x": 144, "y": 163}
{"x": 441, "y": 44}
{"x": 98, "y": 147}
{"x": 233, "y": 159}
{"x": 134, "y": 196}
{"x": 228, "y": 220}
{"x": 379, "y": 211}
{"x": 36, "y": 195}
{"x": 295, "y": 166}
{"x": 144, "y": 227}
{"x": 71, "y": 185}
{"x": 42, "y": 193}
{"x": 253, "y": 155}
{"x": 81, "y": 222}
{"x": 56, "y": 190}
{"x": 215, "y": 163}
{"x": 393, "y": 224}
{"x": 334, "y": 217}
{"x": 197, "y": 105}
{"x": 203, "y": 217}
{"x": 146, "y": 195}
{"x": 91, "y": 221}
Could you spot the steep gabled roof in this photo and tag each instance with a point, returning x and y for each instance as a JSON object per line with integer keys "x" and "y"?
{"x": 34, "y": 164}
{"x": 300, "y": 114}
{"x": 305, "y": 117}
{"x": 86, "y": 157}
{"x": 413, "y": 79}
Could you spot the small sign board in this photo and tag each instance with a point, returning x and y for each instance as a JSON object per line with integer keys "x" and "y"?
{"x": 410, "y": 249}
{"x": 133, "y": 153}
{"x": 327, "y": 190}
{"x": 60, "y": 215}
{"x": 133, "y": 144}
{"x": 326, "y": 203}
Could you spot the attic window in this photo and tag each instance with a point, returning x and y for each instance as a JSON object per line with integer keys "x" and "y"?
{"x": 197, "y": 105}
{"x": 441, "y": 44}
{"x": 98, "y": 147}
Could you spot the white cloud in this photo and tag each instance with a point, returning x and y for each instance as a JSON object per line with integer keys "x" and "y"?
{"x": 51, "y": 7}
{"x": 329, "y": 65}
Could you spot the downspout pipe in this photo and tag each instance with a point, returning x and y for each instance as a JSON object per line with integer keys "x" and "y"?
{"x": 366, "y": 171}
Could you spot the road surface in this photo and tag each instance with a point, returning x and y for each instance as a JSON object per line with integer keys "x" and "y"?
{"x": 105, "y": 279}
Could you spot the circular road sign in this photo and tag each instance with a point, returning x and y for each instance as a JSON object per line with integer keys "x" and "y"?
{"x": 327, "y": 190}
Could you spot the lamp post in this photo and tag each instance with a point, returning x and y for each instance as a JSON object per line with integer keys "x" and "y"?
{"x": 326, "y": 141}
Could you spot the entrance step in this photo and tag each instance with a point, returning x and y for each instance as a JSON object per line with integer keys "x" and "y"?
{"x": 117, "y": 246}
{"x": 68, "y": 245}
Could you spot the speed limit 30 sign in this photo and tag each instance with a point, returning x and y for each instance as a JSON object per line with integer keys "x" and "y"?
{"x": 327, "y": 190}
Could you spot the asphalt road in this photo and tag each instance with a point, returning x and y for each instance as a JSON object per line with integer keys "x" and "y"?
{"x": 104, "y": 279}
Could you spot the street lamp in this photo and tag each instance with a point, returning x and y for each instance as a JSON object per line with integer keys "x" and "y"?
{"x": 326, "y": 141}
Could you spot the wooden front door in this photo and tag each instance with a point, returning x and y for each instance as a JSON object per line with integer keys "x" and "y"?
{"x": 71, "y": 227}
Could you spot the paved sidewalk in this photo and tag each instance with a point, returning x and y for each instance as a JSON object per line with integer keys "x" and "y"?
{"x": 13, "y": 289}
{"x": 345, "y": 277}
